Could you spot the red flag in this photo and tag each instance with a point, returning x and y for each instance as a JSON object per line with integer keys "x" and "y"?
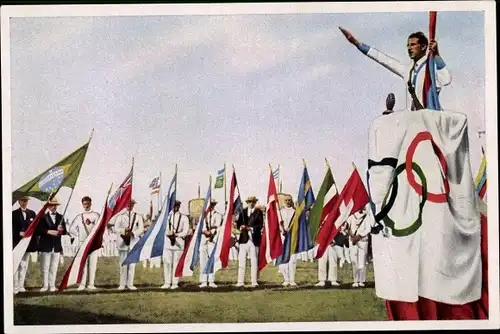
{"x": 427, "y": 78}
{"x": 93, "y": 242}
{"x": 352, "y": 198}
{"x": 271, "y": 245}
{"x": 21, "y": 247}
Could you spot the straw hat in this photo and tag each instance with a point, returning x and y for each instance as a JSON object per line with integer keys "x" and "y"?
{"x": 54, "y": 201}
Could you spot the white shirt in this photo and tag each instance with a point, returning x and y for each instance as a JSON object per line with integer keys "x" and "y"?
{"x": 215, "y": 220}
{"x": 79, "y": 229}
{"x": 179, "y": 224}
{"x": 121, "y": 222}
{"x": 359, "y": 225}
{"x": 443, "y": 75}
{"x": 286, "y": 215}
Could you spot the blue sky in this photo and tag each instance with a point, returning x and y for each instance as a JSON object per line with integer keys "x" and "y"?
{"x": 201, "y": 91}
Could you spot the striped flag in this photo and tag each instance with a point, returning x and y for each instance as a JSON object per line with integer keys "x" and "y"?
{"x": 480, "y": 181}
{"x": 430, "y": 93}
{"x": 155, "y": 185}
{"x": 270, "y": 247}
{"x": 219, "y": 258}
{"x": 191, "y": 253}
{"x": 118, "y": 202}
{"x": 220, "y": 179}
{"x": 151, "y": 244}
{"x": 276, "y": 173}
{"x": 22, "y": 246}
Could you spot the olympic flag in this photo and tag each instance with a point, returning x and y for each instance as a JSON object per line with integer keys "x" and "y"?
{"x": 422, "y": 192}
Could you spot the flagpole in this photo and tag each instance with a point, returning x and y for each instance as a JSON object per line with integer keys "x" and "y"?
{"x": 132, "y": 189}
{"x": 279, "y": 175}
{"x": 225, "y": 189}
{"x": 199, "y": 194}
{"x": 160, "y": 198}
{"x": 72, "y": 189}
{"x": 237, "y": 185}
{"x": 277, "y": 199}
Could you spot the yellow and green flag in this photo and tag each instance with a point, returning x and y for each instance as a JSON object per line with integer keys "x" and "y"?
{"x": 317, "y": 209}
{"x": 62, "y": 174}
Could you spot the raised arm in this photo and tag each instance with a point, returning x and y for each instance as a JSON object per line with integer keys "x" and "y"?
{"x": 390, "y": 63}
{"x": 443, "y": 74}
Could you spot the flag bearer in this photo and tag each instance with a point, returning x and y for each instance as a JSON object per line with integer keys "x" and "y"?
{"x": 213, "y": 221}
{"x": 288, "y": 269}
{"x": 128, "y": 226}
{"x": 50, "y": 229}
{"x": 360, "y": 228}
{"x": 21, "y": 219}
{"x": 81, "y": 227}
{"x": 250, "y": 223}
{"x": 177, "y": 230}
{"x": 418, "y": 46}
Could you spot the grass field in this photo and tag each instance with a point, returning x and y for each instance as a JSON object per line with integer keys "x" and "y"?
{"x": 190, "y": 304}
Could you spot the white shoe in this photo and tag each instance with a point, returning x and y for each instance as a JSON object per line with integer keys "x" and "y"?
{"x": 21, "y": 289}
{"x": 173, "y": 287}
{"x": 361, "y": 284}
{"x": 121, "y": 287}
{"x": 91, "y": 287}
{"x": 44, "y": 289}
{"x": 285, "y": 283}
{"x": 254, "y": 285}
{"x": 203, "y": 285}
{"x": 53, "y": 289}
{"x": 239, "y": 284}
{"x": 212, "y": 285}
{"x": 321, "y": 283}
{"x": 16, "y": 292}
{"x": 81, "y": 288}
{"x": 165, "y": 286}
{"x": 132, "y": 287}
{"x": 293, "y": 284}
{"x": 355, "y": 285}
{"x": 341, "y": 264}
{"x": 335, "y": 283}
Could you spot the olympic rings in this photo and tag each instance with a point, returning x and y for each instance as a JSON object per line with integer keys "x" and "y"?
{"x": 435, "y": 198}
{"x": 418, "y": 222}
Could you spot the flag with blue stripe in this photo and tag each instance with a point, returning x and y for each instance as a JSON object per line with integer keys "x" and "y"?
{"x": 151, "y": 244}
{"x": 191, "y": 254}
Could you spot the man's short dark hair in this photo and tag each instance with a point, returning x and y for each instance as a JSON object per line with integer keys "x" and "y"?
{"x": 86, "y": 199}
{"x": 422, "y": 40}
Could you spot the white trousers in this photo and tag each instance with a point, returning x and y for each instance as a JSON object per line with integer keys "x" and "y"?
{"x": 205, "y": 251}
{"x": 49, "y": 263}
{"x": 247, "y": 249}
{"x": 233, "y": 254}
{"x": 155, "y": 262}
{"x": 34, "y": 257}
{"x": 358, "y": 258}
{"x": 89, "y": 269}
{"x": 126, "y": 272}
{"x": 170, "y": 261}
{"x": 20, "y": 274}
{"x": 329, "y": 261}
{"x": 288, "y": 269}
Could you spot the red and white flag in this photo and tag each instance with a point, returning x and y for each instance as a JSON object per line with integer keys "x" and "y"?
{"x": 271, "y": 245}
{"x": 352, "y": 198}
{"x": 93, "y": 242}
{"x": 22, "y": 246}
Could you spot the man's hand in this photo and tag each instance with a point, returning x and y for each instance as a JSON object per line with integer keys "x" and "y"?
{"x": 53, "y": 233}
{"x": 433, "y": 47}
{"x": 349, "y": 37}
{"x": 87, "y": 221}
{"x": 243, "y": 227}
{"x": 21, "y": 234}
{"x": 206, "y": 233}
{"x": 170, "y": 233}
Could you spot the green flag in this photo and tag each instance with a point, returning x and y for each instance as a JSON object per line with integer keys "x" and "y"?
{"x": 62, "y": 174}
{"x": 317, "y": 209}
{"x": 219, "y": 180}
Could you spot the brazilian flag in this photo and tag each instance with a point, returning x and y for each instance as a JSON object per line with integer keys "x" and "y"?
{"x": 62, "y": 174}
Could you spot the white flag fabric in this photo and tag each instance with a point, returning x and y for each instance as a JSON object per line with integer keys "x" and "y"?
{"x": 420, "y": 175}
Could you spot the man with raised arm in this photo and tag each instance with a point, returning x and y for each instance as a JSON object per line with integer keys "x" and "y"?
{"x": 418, "y": 47}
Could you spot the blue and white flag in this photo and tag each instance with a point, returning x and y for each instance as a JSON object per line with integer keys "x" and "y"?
{"x": 151, "y": 244}
{"x": 191, "y": 254}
